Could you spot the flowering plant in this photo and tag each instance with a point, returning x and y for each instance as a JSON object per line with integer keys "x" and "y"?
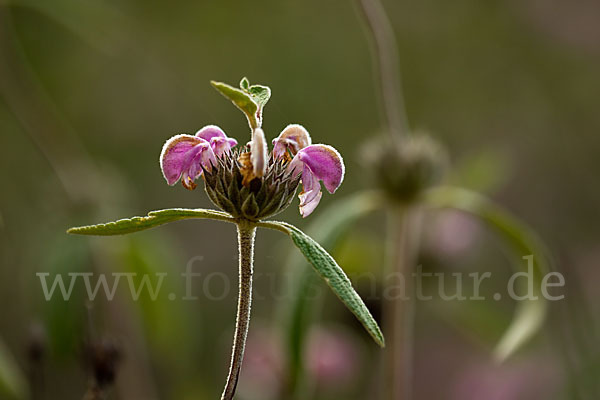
{"x": 248, "y": 184}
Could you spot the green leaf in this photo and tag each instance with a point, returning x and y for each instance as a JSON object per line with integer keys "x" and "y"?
{"x": 260, "y": 94}
{"x": 244, "y": 84}
{"x": 530, "y": 314}
{"x": 333, "y": 275}
{"x": 335, "y": 223}
{"x": 242, "y": 100}
{"x": 250, "y": 99}
{"x": 13, "y": 384}
{"x": 153, "y": 219}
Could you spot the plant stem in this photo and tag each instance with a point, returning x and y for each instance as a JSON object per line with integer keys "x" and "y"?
{"x": 398, "y": 318}
{"x": 385, "y": 50}
{"x": 404, "y": 222}
{"x": 246, "y": 234}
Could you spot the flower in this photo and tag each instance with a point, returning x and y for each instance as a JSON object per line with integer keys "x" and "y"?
{"x": 185, "y": 156}
{"x": 249, "y": 183}
{"x": 316, "y": 162}
{"x": 293, "y": 138}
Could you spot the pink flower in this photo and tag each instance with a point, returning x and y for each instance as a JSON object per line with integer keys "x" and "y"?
{"x": 316, "y": 162}
{"x": 184, "y": 156}
{"x": 293, "y": 138}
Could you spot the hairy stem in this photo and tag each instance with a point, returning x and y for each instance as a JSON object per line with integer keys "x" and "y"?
{"x": 385, "y": 49}
{"x": 246, "y": 234}
{"x": 398, "y": 318}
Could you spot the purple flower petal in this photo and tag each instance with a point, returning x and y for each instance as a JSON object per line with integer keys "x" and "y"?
{"x": 183, "y": 156}
{"x": 293, "y": 138}
{"x": 307, "y": 208}
{"x": 324, "y": 162}
{"x": 311, "y": 192}
{"x": 209, "y": 132}
{"x": 219, "y": 142}
{"x": 221, "y": 145}
{"x": 317, "y": 162}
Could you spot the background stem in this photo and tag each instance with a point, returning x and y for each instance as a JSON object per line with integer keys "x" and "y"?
{"x": 246, "y": 234}
{"x": 385, "y": 50}
{"x": 404, "y": 222}
{"x": 398, "y": 319}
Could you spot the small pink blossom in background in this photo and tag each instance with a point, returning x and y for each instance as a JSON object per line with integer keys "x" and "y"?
{"x": 532, "y": 379}
{"x": 262, "y": 375}
{"x": 333, "y": 357}
{"x": 452, "y": 233}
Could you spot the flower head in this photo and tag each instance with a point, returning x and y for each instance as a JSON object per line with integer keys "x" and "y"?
{"x": 251, "y": 183}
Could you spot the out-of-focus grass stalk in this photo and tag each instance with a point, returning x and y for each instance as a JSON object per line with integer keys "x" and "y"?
{"x": 403, "y": 222}
{"x": 385, "y": 55}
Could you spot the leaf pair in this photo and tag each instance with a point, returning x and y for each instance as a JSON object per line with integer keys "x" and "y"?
{"x": 323, "y": 262}
{"x": 250, "y": 99}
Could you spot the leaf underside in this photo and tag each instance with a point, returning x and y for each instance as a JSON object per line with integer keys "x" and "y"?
{"x": 334, "y": 276}
{"x": 153, "y": 219}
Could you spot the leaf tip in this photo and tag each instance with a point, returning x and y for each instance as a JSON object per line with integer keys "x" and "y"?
{"x": 73, "y": 230}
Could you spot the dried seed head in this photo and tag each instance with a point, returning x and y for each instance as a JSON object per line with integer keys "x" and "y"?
{"x": 404, "y": 170}
{"x": 233, "y": 187}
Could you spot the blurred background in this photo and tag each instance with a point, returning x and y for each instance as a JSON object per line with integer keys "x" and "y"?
{"x": 89, "y": 92}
